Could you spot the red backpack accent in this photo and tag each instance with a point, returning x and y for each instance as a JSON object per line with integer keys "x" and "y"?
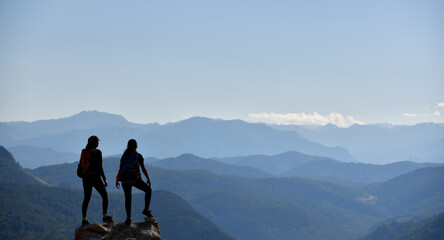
{"x": 84, "y": 163}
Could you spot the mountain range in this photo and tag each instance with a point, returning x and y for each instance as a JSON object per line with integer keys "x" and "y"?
{"x": 30, "y": 209}
{"x": 253, "y": 203}
{"x": 193, "y": 162}
{"x": 200, "y": 136}
{"x": 241, "y": 207}
{"x": 11, "y": 171}
{"x": 293, "y": 164}
{"x": 232, "y": 179}
{"x": 34, "y": 157}
{"x": 429, "y": 228}
{"x": 47, "y": 142}
{"x": 241, "y": 198}
{"x": 380, "y": 143}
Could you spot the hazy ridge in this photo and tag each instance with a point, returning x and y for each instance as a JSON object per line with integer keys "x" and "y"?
{"x": 238, "y": 176}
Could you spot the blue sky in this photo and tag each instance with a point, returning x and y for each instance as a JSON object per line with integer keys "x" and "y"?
{"x": 303, "y": 62}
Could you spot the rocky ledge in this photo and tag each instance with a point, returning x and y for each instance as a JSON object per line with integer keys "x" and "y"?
{"x": 148, "y": 230}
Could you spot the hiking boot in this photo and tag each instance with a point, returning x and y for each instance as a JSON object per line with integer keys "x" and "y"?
{"x": 84, "y": 223}
{"x": 128, "y": 221}
{"x": 147, "y": 213}
{"x": 107, "y": 218}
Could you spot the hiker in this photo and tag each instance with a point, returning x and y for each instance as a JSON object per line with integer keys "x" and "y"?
{"x": 129, "y": 175}
{"x": 92, "y": 172}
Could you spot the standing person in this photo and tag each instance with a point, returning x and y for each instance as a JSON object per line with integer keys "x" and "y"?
{"x": 129, "y": 175}
{"x": 91, "y": 160}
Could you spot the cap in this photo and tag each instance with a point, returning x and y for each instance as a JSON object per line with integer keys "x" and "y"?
{"x": 93, "y": 139}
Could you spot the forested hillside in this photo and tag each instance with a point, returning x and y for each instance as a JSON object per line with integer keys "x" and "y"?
{"x": 31, "y": 210}
{"x": 428, "y": 229}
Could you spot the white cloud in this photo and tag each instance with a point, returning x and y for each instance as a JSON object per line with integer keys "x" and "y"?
{"x": 435, "y": 113}
{"x": 305, "y": 119}
{"x": 409, "y": 114}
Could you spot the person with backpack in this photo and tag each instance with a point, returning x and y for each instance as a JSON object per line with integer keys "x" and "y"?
{"x": 91, "y": 170}
{"x": 129, "y": 175}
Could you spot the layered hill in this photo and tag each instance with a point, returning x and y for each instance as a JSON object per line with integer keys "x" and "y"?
{"x": 31, "y": 210}
{"x": 276, "y": 164}
{"x": 420, "y": 191}
{"x": 339, "y": 207}
{"x": 33, "y": 157}
{"x": 193, "y": 162}
{"x": 316, "y": 209}
{"x": 200, "y": 136}
{"x": 361, "y": 173}
{"x": 82, "y": 121}
{"x": 381, "y": 143}
{"x": 296, "y": 164}
{"x": 40, "y": 212}
{"x": 11, "y": 171}
{"x": 229, "y": 201}
{"x": 430, "y": 228}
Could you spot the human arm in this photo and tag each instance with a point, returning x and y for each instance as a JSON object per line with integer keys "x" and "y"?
{"x": 146, "y": 174}
{"x": 118, "y": 175}
{"x": 117, "y": 182}
{"x": 142, "y": 165}
{"x": 117, "y": 179}
{"x": 101, "y": 172}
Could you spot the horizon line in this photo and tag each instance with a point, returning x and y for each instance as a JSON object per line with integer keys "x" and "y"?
{"x": 217, "y": 118}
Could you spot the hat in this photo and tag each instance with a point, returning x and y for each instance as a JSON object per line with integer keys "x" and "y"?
{"x": 93, "y": 139}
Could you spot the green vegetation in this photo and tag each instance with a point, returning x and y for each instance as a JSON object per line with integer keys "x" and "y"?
{"x": 31, "y": 210}
{"x": 420, "y": 191}
{"x": 33, "y": 157}
{"x": 354, "y": 172}
{"x": 178, "y": 220}
{"x": 429, "y": 229}
{"x": 41, "y": 212}
{"x": 349, "y": 211}
{"x": 11, "y": 171}
{"x": 192, "y": 162}
{"x": 274, "y": 208}
{"x": 250, "y": 217}
{"x": 38, "y": 212}
{"x": 331, "y": 203}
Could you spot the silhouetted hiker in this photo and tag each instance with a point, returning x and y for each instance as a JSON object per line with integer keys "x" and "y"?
{"x": 129, "y": 175}
{"x": 92, "y": 170}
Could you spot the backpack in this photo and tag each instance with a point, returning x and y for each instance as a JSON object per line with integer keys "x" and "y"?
{"x": 129, "y": 168}
{"x": 84, "y": 163}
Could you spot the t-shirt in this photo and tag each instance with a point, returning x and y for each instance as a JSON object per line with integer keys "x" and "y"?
{"x": 140, "y": 159}
{"x": 129, "y": 178}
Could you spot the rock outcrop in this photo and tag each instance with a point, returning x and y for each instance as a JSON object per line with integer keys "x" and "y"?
{"x": 148, "y": 230}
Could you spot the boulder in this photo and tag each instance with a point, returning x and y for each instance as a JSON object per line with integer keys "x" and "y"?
{"x": 148, "y": 230}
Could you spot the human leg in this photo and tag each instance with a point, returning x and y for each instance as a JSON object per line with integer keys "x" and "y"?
{"x": 144, "y": 187}
{"x": 127, "y": 190}
{"x": 100, "y": 187}
{"x": 87, "y": 191}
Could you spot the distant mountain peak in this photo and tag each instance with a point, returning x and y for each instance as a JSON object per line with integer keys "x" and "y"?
{"x": 90, "y": 119}
{"x": 331, "y": 125}
{"x": 187, "y": 156}
{"x": 385, "y": 125}
{"x": 11, "y": 171}
{"x": 6, "y": 157}
{"x": 196, "y": 119}
{"x": 97, "y": 114}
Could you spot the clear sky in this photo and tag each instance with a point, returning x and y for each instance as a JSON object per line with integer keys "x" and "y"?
{"x": 274, "y": 61}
